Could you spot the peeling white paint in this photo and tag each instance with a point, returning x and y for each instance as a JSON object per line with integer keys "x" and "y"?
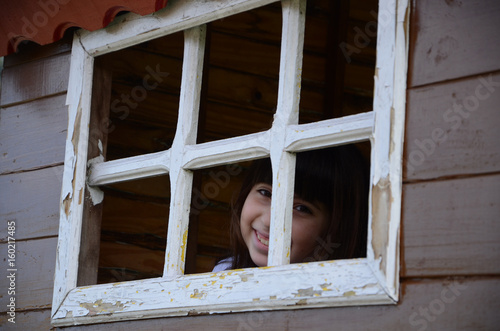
{"x": 96, "y": 195}
{"x": 146, "y": 296}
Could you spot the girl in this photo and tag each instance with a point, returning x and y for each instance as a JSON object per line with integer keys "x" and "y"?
{"x": 329, "y": 216}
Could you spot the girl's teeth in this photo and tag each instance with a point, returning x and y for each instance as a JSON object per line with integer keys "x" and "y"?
{"x": 262, "y": 240}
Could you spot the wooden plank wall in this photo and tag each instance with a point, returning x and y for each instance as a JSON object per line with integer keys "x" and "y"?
{"x": 451, "y": 226}
{"x": 33, "y": 128}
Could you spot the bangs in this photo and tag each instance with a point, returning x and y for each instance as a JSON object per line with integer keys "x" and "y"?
{"x": 314, "y": 178}
{"x": 330, "y": 174}
{"x": 318, "y": 173}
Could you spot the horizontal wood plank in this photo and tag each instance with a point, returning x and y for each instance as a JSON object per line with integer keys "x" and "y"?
{"x": 31, "y": 199}
{"x": 36, "y": 79}
{"x": 452, "y": 128}
{"x": 122, "y": 215}
{"x": 451, "y": 227}
{"x": 453, "y": 39}
{"x": 32, "y": 51}
{"x": 146, "y": 262}
{"x": 426, "y": 305}
{"x": 33, "y": 134}
{"x": 35, "y": 262}
{"x": 28, "y": 320}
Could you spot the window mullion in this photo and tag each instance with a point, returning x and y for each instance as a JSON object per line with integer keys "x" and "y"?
{"x": 332, "y": 132}
{"x": 283, "y": 163}
{"x": 131, "y": 168}
{"x": 181, "y": 179}
{"x": 226, "y": 151}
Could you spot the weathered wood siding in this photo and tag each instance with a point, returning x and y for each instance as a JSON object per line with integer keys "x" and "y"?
{"x": 451, "y": 211}
{"x": 33, "y": 126}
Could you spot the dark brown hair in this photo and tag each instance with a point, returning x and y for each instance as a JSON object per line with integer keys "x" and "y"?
{"x": 336, "y": 177}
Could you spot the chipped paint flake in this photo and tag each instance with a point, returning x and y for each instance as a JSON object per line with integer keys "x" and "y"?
{"x": 100, "y": 307}
{"x": 301, "y": 302}
{"x": 67, "y": 204}
{"x": 80, "y": 196}
{"x": 349, "y": 294}
{"x": 245, "y": 277}
{"x": 198, "y": 294}
{"x": 307, "y": 292}
{"x": 381, "y": 210}
{"x": 183, "y": 246}
{"x": 326, "y": 286}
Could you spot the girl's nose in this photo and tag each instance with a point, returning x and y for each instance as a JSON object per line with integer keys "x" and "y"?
{"x": 265, "y": 218}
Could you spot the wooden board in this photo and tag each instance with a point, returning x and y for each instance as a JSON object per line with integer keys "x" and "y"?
{"x": 27, "y": 320}
{"x": 452, "y": 128}
{"x": 31, "y": 199}
{"x": 453, "y": 39}
{"x": 142, "y": 217}
{"x": 451, "y": 227}
{"x": 35, "y": 261}
{"x": 32, "y": 51}
{"x": 36, "y": 79}
{"x": 147, "y": 263}
{"x": 33, "y": 134}
{"x": 445, "y": 305}
{"x": 252, "y": 56}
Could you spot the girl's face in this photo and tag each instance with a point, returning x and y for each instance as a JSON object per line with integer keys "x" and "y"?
{"x": 310, "y": 220}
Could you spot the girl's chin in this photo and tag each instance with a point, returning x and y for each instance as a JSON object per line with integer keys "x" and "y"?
{"x": 260, "y": 260}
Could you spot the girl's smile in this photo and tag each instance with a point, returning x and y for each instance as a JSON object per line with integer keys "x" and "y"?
{"x": 263, "y": 239}
{"x": 309, "y": 222}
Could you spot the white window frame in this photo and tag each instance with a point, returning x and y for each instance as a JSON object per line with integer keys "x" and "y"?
{"x": 362, "y": 281}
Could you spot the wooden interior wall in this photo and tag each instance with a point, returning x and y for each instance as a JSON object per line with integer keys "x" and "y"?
{"x": 239, "y": 97}
{"x": 450, "y": 228}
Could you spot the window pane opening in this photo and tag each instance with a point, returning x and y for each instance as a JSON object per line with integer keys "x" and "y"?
{"x": 240, "y": 88}
{"x": 134, "y": 229}
{"x": 330, "y": 216}
{"x": 143, "y": 101}
{"x": 232, "y": 203}
{"x": 339, "y": 59}
{"x": 214, "y": 193}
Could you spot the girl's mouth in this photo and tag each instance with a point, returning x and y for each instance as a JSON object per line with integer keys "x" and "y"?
{"x": 262, "y": 239}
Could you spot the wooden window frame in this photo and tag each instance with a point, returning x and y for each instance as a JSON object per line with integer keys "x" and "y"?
{"x": 362, "y": 281}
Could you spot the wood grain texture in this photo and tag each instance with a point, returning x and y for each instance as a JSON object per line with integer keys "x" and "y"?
{"x": 27, "y": 320}
{"x": 442, "y": 301}
{"x": 32, "y": 135}
{"x": 36, "y": 79}
{"x": 97, "y": 145}
{"x": 35, "y": 262}
{"x": 451, "y": 227}
{"x": 453, "y": 39}
{"x": 452, "y": 128}
{"x": 31, "y": 199}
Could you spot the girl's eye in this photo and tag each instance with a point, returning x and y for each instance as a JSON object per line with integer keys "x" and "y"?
{"x": 264, "y": 192}
{"x": 303, "y": 209}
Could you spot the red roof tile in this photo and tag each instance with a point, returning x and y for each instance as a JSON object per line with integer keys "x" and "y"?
{"x": 45, "y": 21}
